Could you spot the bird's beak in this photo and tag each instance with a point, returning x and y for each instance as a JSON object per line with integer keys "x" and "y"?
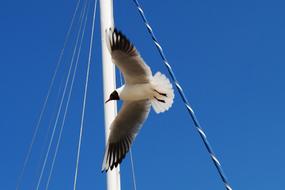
{"x": 108, "y": 100}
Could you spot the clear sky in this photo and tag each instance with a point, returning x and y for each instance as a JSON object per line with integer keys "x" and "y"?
{"x": 228, "y": 56}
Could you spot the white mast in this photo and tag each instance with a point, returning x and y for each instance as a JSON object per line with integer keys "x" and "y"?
{"x": 109, "y": 82}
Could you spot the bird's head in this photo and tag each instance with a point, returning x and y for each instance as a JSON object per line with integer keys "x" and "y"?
{"x": 113, "y": 96}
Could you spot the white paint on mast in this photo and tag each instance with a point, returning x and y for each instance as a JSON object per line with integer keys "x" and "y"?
{"x": 109, "y": 82}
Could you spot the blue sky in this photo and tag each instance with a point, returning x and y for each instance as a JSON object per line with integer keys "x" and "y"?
{"x": 228, "y": 56}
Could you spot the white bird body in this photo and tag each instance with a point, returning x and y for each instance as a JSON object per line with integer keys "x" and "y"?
{"x": 140, "y": 92}
{"x": 136, "y": 92}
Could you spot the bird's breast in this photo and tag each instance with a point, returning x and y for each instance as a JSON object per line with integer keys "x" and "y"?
{"x": 136, "y": 92}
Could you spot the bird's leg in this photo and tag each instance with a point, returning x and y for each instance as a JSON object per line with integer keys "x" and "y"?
{"x": 160, "y": 93}
{"x": 163, "y": 101}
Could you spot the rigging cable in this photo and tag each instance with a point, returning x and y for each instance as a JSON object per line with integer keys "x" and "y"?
{"x": 133, "y": 170}
{"x": 59, "y": 110}
{"x": 68, "y": 99}
{"x": 184, "y": 98}
{"x": 85, "y": 96}
{"x": 48, "y": 131}
{"x": 36, "y": 129}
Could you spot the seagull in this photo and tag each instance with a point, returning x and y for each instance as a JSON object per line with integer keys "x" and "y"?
{"x": 141, "y": 91}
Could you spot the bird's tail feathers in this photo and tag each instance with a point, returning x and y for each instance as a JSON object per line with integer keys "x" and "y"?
{"x": 164, "y": 93}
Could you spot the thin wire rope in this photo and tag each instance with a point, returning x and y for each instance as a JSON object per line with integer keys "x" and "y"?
{"x": 131, "y": 152}
{"x": 59, "y": 110}
{"x": 85, "y": 96}
{"x": 68, "y": 100}
{"x": 46, "y": 138}
{"x": 46, "y": 99}
{"x": 185, "y": 100}
{"x": 133, "y": 170}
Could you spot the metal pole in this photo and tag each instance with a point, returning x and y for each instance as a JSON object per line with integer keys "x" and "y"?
{"x": 109, "y": 82}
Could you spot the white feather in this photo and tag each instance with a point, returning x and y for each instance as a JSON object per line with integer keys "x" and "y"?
{"x": 162, "y": 85}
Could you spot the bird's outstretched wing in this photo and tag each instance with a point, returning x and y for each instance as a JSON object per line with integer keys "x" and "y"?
{"x": 123, "y": 131}
{"x": 127, "y": 58}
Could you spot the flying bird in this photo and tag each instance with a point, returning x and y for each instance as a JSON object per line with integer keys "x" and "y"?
{"x": 141, "y": 91}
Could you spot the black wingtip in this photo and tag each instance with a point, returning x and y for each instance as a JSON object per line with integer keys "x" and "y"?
{"x": 115, "y": 154}
{"x": 104, "y": 170}
{"x": 118, "y": 41}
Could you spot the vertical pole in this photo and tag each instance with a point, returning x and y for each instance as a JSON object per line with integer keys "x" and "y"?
{"x": 109, "y": 82}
